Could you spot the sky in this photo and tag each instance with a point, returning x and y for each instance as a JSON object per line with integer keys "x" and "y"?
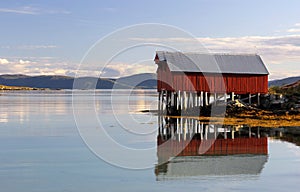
{"x": 53, "y": 37}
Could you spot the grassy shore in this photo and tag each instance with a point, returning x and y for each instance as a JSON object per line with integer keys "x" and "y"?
{"x": 17, "y": 88}
{"x": 253, "y": 118}
{"x": 263, "y": 121}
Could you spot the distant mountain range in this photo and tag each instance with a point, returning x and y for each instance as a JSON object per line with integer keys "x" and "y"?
{"x": 142, "y": 81}
{"x": 285, "y": 81}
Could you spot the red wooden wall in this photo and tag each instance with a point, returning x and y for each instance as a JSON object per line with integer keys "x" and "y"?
{"x": 212, "y": 83}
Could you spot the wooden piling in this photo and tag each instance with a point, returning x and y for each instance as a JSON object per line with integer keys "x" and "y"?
{"x": 250, "y": 98}
{"x": 215, "y": 99}
{"x": 232, "y": 96}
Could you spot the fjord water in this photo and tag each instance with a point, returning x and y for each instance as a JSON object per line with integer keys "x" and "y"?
{"x": 41, "y": 149}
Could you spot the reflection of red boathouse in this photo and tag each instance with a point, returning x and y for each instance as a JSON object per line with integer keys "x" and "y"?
{"x": 191, "y": 148}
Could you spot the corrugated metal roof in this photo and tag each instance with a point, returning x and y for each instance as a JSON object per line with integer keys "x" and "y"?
{"x": 213, "y": 63}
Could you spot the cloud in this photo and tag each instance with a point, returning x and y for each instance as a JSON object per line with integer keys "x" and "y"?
{"x": 31, "y": 47}
{"x": 110, "y": 72}
{"x": 29, "y": 10}
{"x": 22, "y": 10}
{"x": 274, "y": 50}
{"x": 295, "y": 29}
{"x": 3, "y": 61}
{"x": 110, "y": 9}
{"x": 12, "y": 66}
{"x": 24, "y": 62}
{"x": 36, "y": 66}
{"x": 120, "y": 69}
{"x": 57, "y": 11}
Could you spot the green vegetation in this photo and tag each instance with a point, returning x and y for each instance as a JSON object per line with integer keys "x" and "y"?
{"x": 286, "y": 90}
{"x": 290, "y": 92}
{"x": 16, "y": 88}
{"x": 275, "y": 90}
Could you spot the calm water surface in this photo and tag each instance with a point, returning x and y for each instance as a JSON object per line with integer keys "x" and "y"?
{"x": 41, "y": 150}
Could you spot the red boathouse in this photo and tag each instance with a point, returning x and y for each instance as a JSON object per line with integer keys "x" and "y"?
{"x": 194, "y": 77}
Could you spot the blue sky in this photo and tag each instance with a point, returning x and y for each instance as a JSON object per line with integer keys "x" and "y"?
{"x": 51, "y": 37}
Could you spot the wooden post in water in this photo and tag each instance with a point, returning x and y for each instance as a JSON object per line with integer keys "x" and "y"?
{"x": 206, "y": 131}
{"x": 195, "y": 99}
{"x": 250, "y": 98}
{"x": 215, "y": 131}
{"x": 215, "y": 99}
{"x": 208, "y": 98}
{"x": 172, "y": 98}
{"x": 184, "y": 100}
{"x": 201, "y": 132}
{"x": 159, "y": 102}
{"x": 188, "y": 100}
{"x": 201, "y": 98}
{"x": 162, "y": 100}
{"x": 232, "y": 96}
{"x": 159, "y": 124}
{"x": 178, "y": 101}
{"x": 249, "y": 132}
{"x": 181, "y": 100}
{"x": 191, "y": 100}
{"x": 198, "y": 99}
{"x": 184, "y": 129}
